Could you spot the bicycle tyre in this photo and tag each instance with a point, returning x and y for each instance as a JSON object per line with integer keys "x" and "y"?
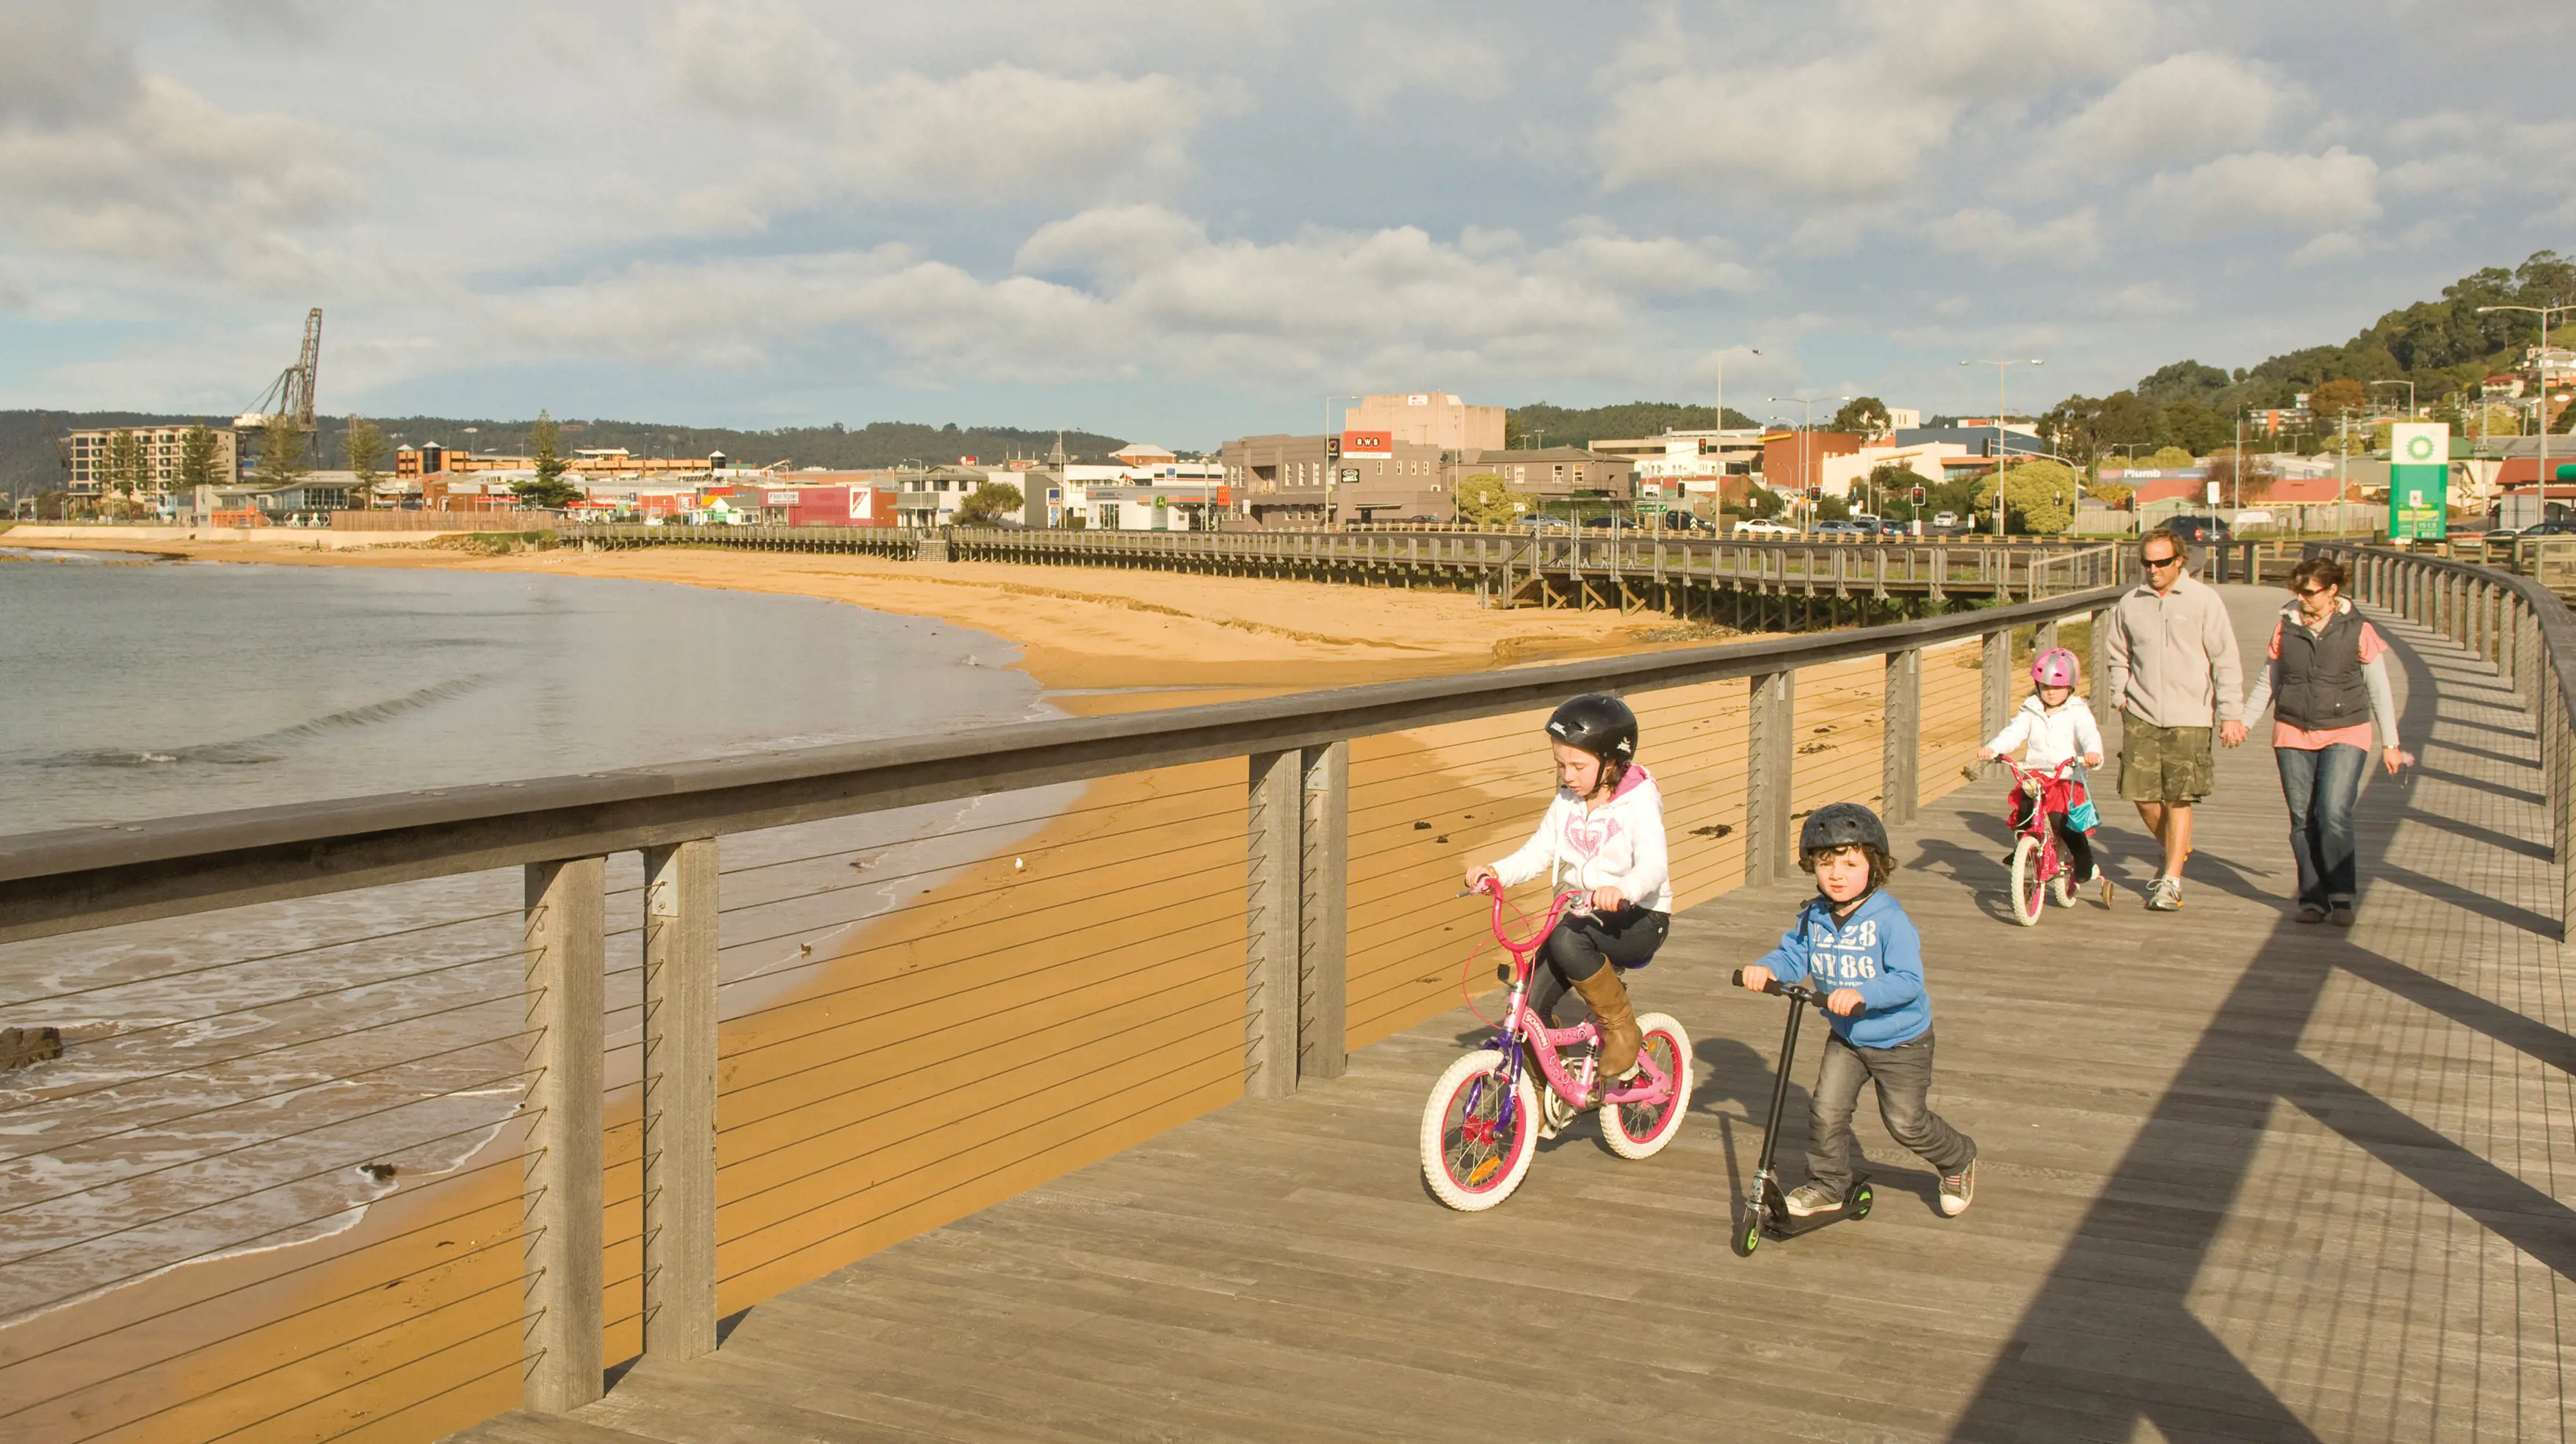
{"x": 2027, "y": 885}
{"x": 1639, "y": 1130}
{"x": 1464, "y": 1173}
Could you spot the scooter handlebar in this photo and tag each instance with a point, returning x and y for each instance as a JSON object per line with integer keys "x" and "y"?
{"x": 1778, "y": 989}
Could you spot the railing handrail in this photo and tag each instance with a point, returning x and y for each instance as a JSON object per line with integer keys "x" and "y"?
{"x": 73, "y": 879}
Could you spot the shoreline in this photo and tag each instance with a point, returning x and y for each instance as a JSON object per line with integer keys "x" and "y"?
{"x": 1097, "y": 641}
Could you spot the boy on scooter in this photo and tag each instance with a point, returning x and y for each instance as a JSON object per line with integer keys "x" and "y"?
{"x": 1854, "y": 938}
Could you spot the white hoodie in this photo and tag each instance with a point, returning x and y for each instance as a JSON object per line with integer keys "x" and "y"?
{"x": 2054, "y": 733}
{"x": 1619, "y": 844}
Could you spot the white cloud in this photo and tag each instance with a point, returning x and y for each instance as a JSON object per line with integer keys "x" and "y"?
{"x": 1135, "y": 289}
{"x": 2267, "y": 190}
{"x": 2142, "y": 299}
{"x": 1861, "y": 121}
{"x": 1385, "y": 61}
{"x": 2183, "y": 107}
{"x": 2074, "y": 239}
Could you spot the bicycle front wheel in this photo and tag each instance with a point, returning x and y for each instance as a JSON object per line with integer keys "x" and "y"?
{"x": 1475, "y": 1149}
{"x": 2029, "y": 889}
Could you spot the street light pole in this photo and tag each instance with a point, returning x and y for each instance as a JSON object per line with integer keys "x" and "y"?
{"x": 2540, "y": 479}
{"x": 1806, "y": 441}
{"x": 2000, "y": 368}
{"x": 1332, "y": 466}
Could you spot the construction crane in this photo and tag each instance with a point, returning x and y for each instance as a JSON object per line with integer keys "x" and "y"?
{"x": 291, "y": 394}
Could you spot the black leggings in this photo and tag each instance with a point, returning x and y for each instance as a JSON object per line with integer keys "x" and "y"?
{"x": 1579, "y": 946}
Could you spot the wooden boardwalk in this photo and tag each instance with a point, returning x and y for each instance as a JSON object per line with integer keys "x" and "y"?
{"x": 2241, "y": 1179}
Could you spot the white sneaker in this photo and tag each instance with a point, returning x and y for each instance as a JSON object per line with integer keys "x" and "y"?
{"x": 1959, "y": 1190}
{"x": 2164, "y": 895}
{"x": 1807, "y": 1199}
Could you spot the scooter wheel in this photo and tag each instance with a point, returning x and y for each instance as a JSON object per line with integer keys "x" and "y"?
{"x": 1748, "y": 1235}
{"x": 1861, "y": 1199}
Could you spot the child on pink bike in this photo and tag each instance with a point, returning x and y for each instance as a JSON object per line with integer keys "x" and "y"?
{"x": 1602, "y": 836}
{"x": 2055, "y": 726}
{"x": 1855, "y": 943}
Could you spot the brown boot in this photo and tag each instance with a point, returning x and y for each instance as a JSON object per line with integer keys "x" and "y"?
{"x": 1607, "y": 997}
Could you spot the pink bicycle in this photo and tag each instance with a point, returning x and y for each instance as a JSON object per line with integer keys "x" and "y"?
{"x": 1485, "y": 1117}
{"x": 2041, "y": 871}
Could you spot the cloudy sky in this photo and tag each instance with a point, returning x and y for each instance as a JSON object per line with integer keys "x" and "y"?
{"x": 1187, "y": 220}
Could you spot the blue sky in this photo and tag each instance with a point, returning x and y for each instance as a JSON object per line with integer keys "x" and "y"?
{"x": 1186, "y": 221}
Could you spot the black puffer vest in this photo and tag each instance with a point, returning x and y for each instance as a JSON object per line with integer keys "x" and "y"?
{"x": 2321, "y": 686}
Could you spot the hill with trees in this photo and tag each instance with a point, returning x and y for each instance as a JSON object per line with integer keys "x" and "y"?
{"x": 1541, "y": 424}
{"x": 2444, "y": 346}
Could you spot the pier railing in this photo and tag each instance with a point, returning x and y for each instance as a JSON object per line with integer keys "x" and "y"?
{"x": 378, "y": 1117}
{"x": 2515, "y": 622}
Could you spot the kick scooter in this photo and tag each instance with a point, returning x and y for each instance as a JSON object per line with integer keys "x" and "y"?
{"x": 1765, "y": 1211}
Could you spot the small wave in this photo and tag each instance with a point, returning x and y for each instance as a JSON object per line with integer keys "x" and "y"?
{"x": 273, "y": 746}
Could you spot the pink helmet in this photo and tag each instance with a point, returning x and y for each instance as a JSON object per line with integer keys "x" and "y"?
{"x": 2056, "y": 667}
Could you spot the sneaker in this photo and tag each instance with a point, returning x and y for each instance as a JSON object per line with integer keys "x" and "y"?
{"x": 1959, "y": 1190}
{"x": 1809, "y": 1198}
{"x": 2311, "y": 913}
{"x": 2342, "y": 912}
{"x": 2164, "y": 895}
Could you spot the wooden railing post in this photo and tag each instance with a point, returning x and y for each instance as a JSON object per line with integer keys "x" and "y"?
{"x": 1323, "y": 965}
{"x": 2097, "y": 666}
{"x": 1900, "y": 767}
{"x": 680, "y": 903}
{"x": 1995, "y": 695}
{"x": 566, "y": 989}
{"x": 1274, "y": 841}
{"x": 1768, "y": 757}
{"x": 2043, "y": 637}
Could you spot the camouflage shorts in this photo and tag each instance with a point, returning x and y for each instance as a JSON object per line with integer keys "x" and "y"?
{"x": 2163, "y": 764}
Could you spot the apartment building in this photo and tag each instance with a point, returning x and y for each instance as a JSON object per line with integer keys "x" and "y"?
{"x": 1432, "y": 419}
{"x": 85, "y": 456}
{"x": 1555, "y": 472}
{"x": 1357, "y": 476}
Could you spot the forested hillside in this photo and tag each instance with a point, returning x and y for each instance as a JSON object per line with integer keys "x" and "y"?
{"x": 2445, "y": 347}
{"x": 1541, "y": 424}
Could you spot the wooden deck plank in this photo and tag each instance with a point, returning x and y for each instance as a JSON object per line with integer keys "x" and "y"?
{"x": 2240, "y": 1179}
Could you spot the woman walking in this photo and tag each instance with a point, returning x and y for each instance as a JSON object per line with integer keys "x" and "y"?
{"x": 2327, "y": 685}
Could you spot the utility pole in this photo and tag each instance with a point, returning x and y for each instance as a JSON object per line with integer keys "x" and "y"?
{"x": 2000, "y": 444}
{"x": 1807, "y": 444}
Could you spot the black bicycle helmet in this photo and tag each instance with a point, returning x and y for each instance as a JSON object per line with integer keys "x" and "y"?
{"x": 1842, "y": 824}
{"x": 1598, "y": 724}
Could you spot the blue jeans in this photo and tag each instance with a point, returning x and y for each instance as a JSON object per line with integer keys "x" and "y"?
{"x": 2320, "y": 787}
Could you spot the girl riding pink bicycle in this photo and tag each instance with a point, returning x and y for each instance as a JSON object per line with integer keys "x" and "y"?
{"x": 2058, "y": 738}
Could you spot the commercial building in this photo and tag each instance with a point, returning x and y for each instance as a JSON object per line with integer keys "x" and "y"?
{"x": 1555, "y": 473}
{"x": 431, "y": 458}
{"x": 85, "y": 456}
{"x": 1357, "y": 476}
{"x": 1432, "y": 419}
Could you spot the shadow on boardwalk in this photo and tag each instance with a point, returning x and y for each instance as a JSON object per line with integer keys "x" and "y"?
{"x": 2241, "y": 1179}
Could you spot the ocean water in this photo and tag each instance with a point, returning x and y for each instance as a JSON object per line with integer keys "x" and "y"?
{"x": 254, "y": 1078}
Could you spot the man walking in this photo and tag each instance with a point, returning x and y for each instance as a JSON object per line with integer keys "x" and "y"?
{"x": 2174, "y": 678}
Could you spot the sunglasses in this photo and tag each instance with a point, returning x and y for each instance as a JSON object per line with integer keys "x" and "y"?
{"x": 2311, "y": 591}
{"x": 2162, "y": 562}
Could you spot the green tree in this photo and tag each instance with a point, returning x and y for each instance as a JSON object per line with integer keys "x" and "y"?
{"x": 544, "y": 495}
{"x": 2332, "y": 400}
{"x": 281, "y": 453}
{"x": 197, "y": 458}
{"x": 364, "y": 446}
{"x": 123, "y": 472}
{"x": 1862, "y": 416}
{"x": 2039, "y": 497}
{"x": 2166, "y": 457}
{"x": 988, "y": 504}
{"x": 2111, "y": 493}
{"x": 1832, "y": 508}
{"x": 1484, "y": 500}
{"x": 1763, "y": 502}
{"x": 545, "y": 443}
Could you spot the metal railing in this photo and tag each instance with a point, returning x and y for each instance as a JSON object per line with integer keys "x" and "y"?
{"x": 2515, "y": 622}
{"x": 613, "y": 1153}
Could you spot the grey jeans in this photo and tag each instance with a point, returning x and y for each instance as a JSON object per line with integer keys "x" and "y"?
{"x": 1904, "y": 1077}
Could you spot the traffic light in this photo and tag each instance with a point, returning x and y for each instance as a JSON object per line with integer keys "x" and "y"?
{"x": 1332, "y": 448}
{"x": 1918, "y": 496}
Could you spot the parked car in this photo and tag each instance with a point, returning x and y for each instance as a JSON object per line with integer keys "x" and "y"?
{"x": 2254, "y": 517}
{"x": 1945, "y": 518}
{"x": 2198, "y": 528}
{"x": 1758, "y": 528}
{"x": 1840, "y": 528}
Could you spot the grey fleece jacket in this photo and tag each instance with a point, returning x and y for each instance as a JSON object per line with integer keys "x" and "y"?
{"x": 2173, "y": 656}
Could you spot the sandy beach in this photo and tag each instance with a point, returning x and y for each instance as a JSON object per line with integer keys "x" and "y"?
{"x": 1031, "y": 1013}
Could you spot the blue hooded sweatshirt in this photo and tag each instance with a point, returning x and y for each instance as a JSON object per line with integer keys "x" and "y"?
{"x": 1875, "y": 951}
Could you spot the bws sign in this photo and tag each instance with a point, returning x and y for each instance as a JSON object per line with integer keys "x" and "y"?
{"x": 1368, "y": 443}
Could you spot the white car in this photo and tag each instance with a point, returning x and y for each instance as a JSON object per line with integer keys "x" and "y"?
{"x": 1945, "y": 518}
{"x": 1762, "y": 528}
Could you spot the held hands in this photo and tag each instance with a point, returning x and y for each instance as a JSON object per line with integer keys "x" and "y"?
{"x": 2231, "y": 733}
{"x": 2393, "y": 759}
{"x": 1843, "y": 1002}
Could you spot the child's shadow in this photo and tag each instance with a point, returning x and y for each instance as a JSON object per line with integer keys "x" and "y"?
{"x": 1731, "y": 1086}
